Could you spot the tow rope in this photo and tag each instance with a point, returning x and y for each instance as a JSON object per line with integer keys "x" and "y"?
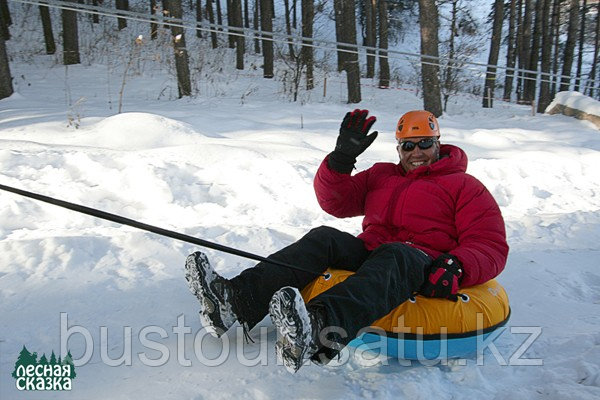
{"x": 151, "y": 228}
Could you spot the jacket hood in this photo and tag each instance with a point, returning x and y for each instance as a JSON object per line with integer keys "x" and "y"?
{"x": 452, "y": 160}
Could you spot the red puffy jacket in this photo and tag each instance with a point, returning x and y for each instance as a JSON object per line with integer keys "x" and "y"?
{"x": 436, "y": 208}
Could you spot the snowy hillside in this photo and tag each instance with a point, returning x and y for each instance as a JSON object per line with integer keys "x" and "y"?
{"x": 238, "y": 171}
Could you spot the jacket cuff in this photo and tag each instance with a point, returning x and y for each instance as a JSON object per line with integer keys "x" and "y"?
{"x": 341, "y": 162}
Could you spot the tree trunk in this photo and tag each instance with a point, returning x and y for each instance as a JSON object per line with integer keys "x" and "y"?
{"x": 240, "y": 39}
{"x": 544, "y": 98}
{"x": 339, "y": 33}
{"x": 308, "y": 16}
{"x": 556, "y": 50}
{"x": 266, "y": 24}
{"x": 211, "y": 20}
{"x": 525, "y": 55}
{"x": 565, "y": 81}
{"x": 384, "y": 64}
{"x": 70, "y": 37}
{"x": 95, "y": 17}
{"x": 153, "y": 25}
{"x": 490, "y": 76}
{"x": 230, "y": 23}
{"x": 5, "y": 13}
{"x": 219, "y": 15}
{"x": 294, "y": 14}
{"x": 246, "y": 15}
{"x": 449, "y": 73}
{"x": 595, "y": 60}
{"x": 288, "y": 28}
{"x": 122, "y": 5}
{"x": 371, "y": 34}
{"x": 255, "y": 22}
{"x": 345, "y": 23}
{"x": 534, "y": 58}
{"x": 4, "y": 20}
{"x": 510, "y": 52}
{"x": 47, "y": 28}
{"x": 581, "y": 42}
{"x": 519, "y": 49}
{"x": 351, "y": 58}
{"x": 6, "y": 88}
{"x": 429, "y": 65}
{"x": 181, "y": 56}
{"x": 199, "y": 18}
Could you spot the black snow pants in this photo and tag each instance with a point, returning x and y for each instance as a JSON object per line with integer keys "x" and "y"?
{"x": 384, "y": 279}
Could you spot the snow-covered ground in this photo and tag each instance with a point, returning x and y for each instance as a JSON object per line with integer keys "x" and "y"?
{"x": 237, "y": 169}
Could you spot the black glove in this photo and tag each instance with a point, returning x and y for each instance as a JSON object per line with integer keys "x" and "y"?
{"x": 444, "y": 277}
{"x": 352, "y": 141}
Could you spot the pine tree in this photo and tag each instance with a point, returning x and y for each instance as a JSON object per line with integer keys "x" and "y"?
{"x": 43, "y": 360}
{"x": 25, "y": 358}
{"x": 52, "y": 358}
{"x": 68, "y": 360}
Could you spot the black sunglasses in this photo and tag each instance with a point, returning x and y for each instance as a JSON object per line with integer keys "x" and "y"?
{"x": 423, "y": 144}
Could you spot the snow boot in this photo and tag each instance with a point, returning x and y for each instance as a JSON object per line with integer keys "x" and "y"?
{"x": 214, "y": 292}
{"x": 298, "y": 328}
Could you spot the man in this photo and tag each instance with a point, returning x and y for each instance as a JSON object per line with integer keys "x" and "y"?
{"x": 428, "y": 227}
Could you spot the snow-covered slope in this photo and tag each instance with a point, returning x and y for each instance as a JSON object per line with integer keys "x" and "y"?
{"x": 239, "y": 171}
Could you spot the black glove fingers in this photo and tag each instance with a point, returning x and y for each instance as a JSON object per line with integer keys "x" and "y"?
{"x": 366, "y": 142}
{"x": 346, "y": 122}
{"x": 368, "y": 124}
{"x": 356, "y": 117}
{"x": 360, "y": 121}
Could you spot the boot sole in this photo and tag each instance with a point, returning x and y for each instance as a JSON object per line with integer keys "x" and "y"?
{"x": 200, "y": 275}
{"x": 289, "y": 315}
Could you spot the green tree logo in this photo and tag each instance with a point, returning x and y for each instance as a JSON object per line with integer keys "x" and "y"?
{"x": 25, "y": 358}
{"x": 43, "y": 374}
{"x": 69, "y": 361}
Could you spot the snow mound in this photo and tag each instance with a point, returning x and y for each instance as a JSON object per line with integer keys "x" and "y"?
{"x": 139, "y": 131}
{"x": 577, "y": 101}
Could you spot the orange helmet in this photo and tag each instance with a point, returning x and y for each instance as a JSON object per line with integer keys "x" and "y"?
{"x": 417, "y": 123}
